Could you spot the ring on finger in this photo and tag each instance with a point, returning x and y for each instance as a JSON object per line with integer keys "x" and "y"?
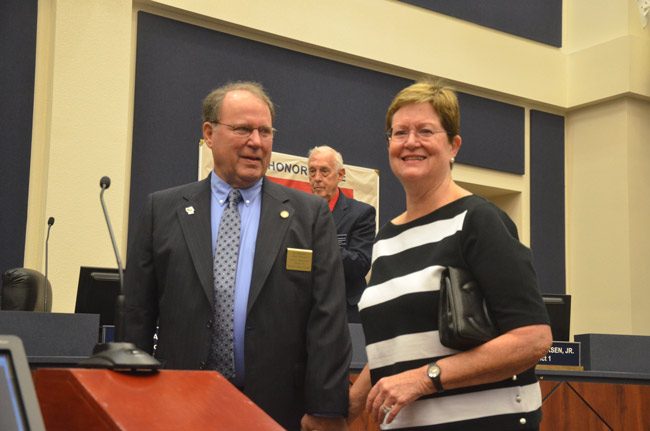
{"x": 386, "y": 409}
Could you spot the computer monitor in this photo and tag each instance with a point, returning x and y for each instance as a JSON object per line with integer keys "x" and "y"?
{"x": 19, "y": 408}
{"x": 559, "y": 311}
{"x": 97, "y": 293}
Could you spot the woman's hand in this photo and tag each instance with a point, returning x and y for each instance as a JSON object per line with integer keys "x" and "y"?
{"x": 391, "y": 394}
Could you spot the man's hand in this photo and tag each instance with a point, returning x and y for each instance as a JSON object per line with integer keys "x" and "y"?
{"x": 318, "y": 423}
{"x": 357, "y": 404}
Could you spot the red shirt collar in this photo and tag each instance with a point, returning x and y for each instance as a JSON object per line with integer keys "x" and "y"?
{"x": 334, "y": 200}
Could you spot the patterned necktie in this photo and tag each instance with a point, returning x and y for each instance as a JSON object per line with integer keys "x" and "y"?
{"x": 225, "y": 270}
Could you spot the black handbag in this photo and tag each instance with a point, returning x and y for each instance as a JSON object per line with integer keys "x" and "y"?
{"x": 464, "y": 320}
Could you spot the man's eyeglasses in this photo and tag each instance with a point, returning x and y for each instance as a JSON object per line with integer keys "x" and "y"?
{"x": 245, "y": 131}
{"x": 401, "y": 135}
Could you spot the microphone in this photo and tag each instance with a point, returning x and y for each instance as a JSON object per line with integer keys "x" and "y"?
{"x": 119, "y": 355}
{"x": 104, "y": 182}
{"x": 50, "y": 222}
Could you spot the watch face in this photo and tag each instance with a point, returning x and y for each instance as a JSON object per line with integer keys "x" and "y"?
{"x": 434, "y": 374}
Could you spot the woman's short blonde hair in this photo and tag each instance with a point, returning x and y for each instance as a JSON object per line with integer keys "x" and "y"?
{"x": 443, "y": 100}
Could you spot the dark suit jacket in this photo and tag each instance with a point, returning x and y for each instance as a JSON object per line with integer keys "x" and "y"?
{"x": 355, "y": 229}
{"x": 297, "y": 343}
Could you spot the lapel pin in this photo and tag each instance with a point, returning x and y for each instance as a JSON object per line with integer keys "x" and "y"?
{"x": 284, "y": 213}
{"x": 189, "y": 210}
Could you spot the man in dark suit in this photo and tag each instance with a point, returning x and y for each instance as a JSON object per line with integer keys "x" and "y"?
{"x": 355, "y": 222}
{"x": 290, "y": 345}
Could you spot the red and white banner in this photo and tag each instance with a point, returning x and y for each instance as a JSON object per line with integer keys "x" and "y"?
{"x": 359, "y": 183}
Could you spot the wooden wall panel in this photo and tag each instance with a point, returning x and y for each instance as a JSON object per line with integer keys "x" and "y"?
{"x": 595, "y": 406}
{"x": 571, "y": 406}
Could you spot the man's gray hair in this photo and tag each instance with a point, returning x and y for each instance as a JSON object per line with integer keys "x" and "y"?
{"x": 338, "y": 158}
{"x": 213, "y": 101}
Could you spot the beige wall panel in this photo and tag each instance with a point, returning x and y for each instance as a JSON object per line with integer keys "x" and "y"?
{"x": 508, "y": 191}
{"x": 88, "y": 137}
{"x": 639, "y": 177}
{"x": 640, "y": 64}
{"x": 616, "y": 67}
{"x": 590, "y": 77}
{"x": 597, "y": 219}
{"x": 608, "y": 50}
{"x": 39, "y": 162}
{"x": 593, "y": 22}
{"x": 636, "y": 22}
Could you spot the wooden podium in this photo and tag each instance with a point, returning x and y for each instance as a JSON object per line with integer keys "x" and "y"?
{"x": 85, "y": 399}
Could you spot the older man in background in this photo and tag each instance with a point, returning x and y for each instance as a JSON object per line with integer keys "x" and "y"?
{"x": 355, "y": 222}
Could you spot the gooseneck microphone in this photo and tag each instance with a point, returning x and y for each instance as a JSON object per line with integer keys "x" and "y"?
{"x": 105, "y": 183}
{"x": 119, "y": 355}
{"x": 50, "y": 222}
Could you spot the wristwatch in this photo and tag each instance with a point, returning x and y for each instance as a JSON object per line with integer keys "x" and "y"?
{"x": 433, "y": 371}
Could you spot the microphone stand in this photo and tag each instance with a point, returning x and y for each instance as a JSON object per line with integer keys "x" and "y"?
{"x": 119, "y": 355}
{"x": 119, "y": 306}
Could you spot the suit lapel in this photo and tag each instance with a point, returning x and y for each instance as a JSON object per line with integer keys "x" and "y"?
{"x": 194, "y": 217}
{"x": 275, "y": 219}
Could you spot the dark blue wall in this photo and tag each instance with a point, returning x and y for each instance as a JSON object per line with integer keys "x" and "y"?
{"x": 17, "y": 62}
{"x": 539, "y": 20}
{"x": 493, "y": 134}
{"x": 547, "y": 236}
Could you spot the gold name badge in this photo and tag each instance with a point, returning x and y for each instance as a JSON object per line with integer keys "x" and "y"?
{"x": 299, "y": 259}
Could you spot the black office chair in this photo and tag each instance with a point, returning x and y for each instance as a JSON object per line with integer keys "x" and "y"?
{"x": 24, "y": 289}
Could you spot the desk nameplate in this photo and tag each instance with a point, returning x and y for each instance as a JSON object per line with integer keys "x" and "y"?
{"x": 562, "y": 355}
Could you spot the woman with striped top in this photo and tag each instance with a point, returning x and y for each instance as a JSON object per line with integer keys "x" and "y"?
{"x": 412, "y": 381}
